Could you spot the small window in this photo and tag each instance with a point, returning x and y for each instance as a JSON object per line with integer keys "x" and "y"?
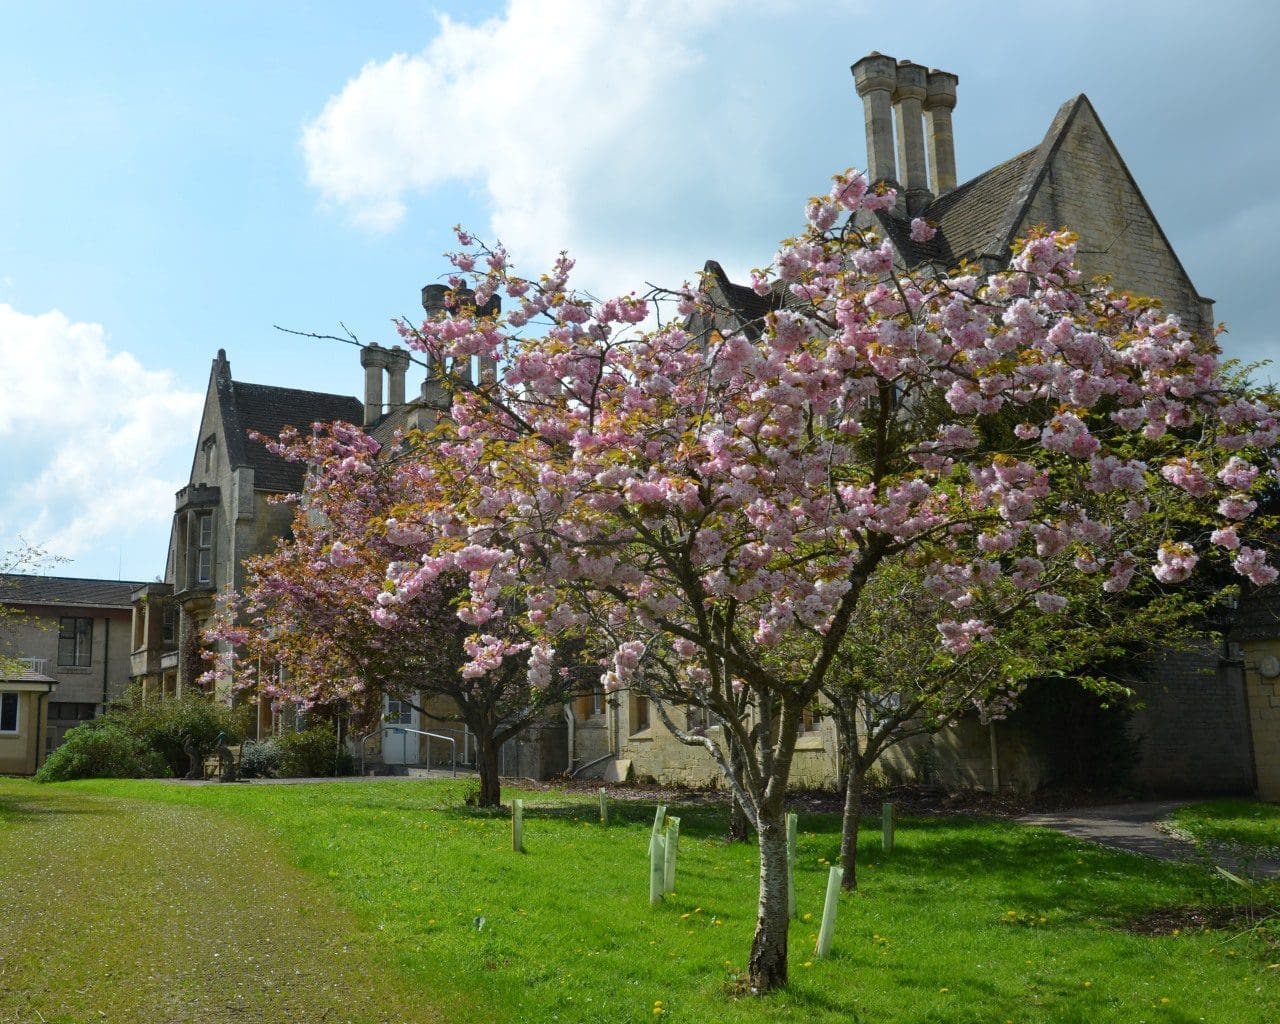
{"x": 811, "y": 719}
{"x": 597, "y": 701}
{"x": 75, "y": 642}
{"x": 71, "y": 711}
{"x": 697, "y": 720}
{"x": 639, "y": 714}
{"x": 204, "y": 550}
{"x": 8, "y": 712}
{"x": 208, "y": 448}
{"x": 169, "y": 630}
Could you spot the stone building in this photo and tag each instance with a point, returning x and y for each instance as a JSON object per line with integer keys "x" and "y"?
{"x": 222, "y": 516}
{"x": 71, "y": 637}
{"x": 225, "y": 514}
{"x": 1192, "y": 727}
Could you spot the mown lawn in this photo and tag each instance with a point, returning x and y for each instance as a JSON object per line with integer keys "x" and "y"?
{"x": 567, "y": 933}
{"x": 1249, "y": 825}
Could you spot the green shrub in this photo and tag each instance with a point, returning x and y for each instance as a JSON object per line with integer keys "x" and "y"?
{"x": 312, "y": 753}
{"x": 260, "y": 760}
{"x": 102, "y": 750}
{"x": 164, "y": 725}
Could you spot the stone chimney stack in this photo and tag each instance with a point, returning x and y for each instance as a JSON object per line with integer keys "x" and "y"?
{"x": 435, "y": 300}
{"x": 908, "y": 109}
{"x": 875, "y": 77}
{"x": 397, "y": 367}
{"x": 374, "y": 360}
{"x": 939, "y": 101}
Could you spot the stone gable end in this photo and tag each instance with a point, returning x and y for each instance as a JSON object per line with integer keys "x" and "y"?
{"x": 1087, "y": 188}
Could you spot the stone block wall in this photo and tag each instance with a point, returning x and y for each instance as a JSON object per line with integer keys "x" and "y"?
{"x": 1264, "y": 716}
{"x": 1089, "y": 191}
{"x": 1192, "y": 729}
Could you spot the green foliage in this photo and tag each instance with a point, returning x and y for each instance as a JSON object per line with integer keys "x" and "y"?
{"x": 313, "y": 753}
{"x": 165, "y": 725}
{"x": 1084, "y": 738}
{"x": 260, "y": 760}
{"x": 102, "y": 750}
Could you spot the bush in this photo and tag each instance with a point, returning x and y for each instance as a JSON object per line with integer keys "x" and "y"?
{"x": 313, "y": 753}
{"x": 102, "y": 750}
{"x": 164, "y": 725}
{"x": 260, "y": 760}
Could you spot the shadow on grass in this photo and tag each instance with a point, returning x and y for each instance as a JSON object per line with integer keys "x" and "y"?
{"x": 35, "y": 806}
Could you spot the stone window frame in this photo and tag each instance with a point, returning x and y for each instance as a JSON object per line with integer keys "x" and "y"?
{"x": 204, "y": 548}
{"x": 79, "y": 657}
{"x": 640, "y": 701}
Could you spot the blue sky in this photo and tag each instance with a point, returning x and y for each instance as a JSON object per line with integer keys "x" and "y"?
{"x": 180, "y": 178}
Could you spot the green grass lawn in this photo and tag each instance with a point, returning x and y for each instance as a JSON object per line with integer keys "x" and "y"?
{"x": 568, "y": 934}
{"x": 1249, "y": 825}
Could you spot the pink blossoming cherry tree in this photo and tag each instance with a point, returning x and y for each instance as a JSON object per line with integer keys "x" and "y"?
{"x": 709, "y": 507}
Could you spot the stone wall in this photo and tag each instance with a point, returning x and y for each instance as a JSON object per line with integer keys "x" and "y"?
{"x": 1192, "y": 729}
{"x": 1264, "y": 716}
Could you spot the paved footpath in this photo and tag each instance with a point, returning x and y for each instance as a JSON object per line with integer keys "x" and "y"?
{"x": 1132, "y": 827}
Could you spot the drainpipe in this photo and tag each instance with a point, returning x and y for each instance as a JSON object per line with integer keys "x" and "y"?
{"x": 106, "y": 651}
{"x": 995, "y": 759}
{"x": 42, "y": 725}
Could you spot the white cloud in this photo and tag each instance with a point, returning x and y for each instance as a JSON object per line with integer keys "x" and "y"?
{"x": 592, "y": 127}
{"x": 92, "y": 444}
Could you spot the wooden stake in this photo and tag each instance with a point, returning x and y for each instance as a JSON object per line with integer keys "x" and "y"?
{"x": 792, "y": 824}
{"x": 672, "y": 850}
{"x": 828, "y": 930}
{"x": 888, "y": 818}
{"x": 517, "y": 825}
{"x": 604, "y": 807}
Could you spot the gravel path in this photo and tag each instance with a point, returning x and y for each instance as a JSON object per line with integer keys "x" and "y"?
{"x": 132, "y": 911}
{"x": 1132, "y": 827}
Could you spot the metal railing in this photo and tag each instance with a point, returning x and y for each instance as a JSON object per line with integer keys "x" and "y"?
{"x": 35, "y": 664}
{"x": 400, "y": 730}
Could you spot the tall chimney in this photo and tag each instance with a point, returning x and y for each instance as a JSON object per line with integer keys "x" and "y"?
{"x": 908, "y": 100}
{"x": 938, "y": 104}
{"x": 397, "y": 366}
{"x": 875, "y": 78}
{"x": 435, "y": 299}
{"x": 374, "y": 360}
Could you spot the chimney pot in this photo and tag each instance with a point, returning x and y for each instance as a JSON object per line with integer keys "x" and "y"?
{"x": 908, "y": 99}
{"x": 374, "y": 360}
{"x": 938, "y": 104}
{"x": 397, "y": 366}
{"x": 875, "y": 77}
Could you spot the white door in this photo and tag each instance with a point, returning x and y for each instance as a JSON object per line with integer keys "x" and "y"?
{"x": 399, "y": 747}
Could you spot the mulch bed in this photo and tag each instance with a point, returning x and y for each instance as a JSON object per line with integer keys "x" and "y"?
{"x": 1173, "y": 920}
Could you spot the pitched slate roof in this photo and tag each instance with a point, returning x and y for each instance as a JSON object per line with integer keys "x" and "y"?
{"x": 259, "y": 408}
{"x": 971, "y": 219}
{"x": 21, "y": 588}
